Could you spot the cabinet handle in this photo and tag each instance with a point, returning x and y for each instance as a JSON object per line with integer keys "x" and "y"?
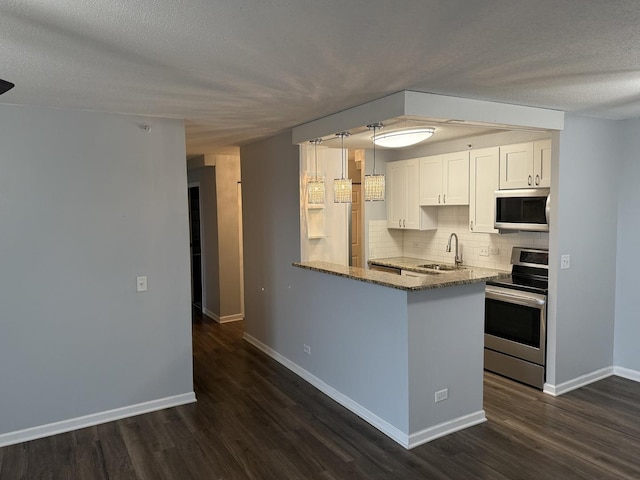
{"x": 537, "y": 179}
{"x": 399, "y": 223}
{"x": 471, "y": 225}
{"x": 529, "y": 180}
{"x": 438, "y": 198}
{"x": 404, "y": 223}
{"x": 444, "y": 198}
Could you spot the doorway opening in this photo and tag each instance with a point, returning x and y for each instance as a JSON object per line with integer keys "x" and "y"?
{"x": 195, "y": 242}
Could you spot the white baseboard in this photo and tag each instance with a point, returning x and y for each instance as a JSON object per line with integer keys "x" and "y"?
{"x": 578, "y": 382}
{"x": 437, "y": 431}
{"x": 41, "y": 431}
{"x": 627, "y": 373}
{"x": 407, "y": 441}
{"x": 231, "y": 318}
{"x": 224, "y": 319}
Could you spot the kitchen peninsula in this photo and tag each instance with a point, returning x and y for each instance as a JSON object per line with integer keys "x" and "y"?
{"x": 404, "y": 353}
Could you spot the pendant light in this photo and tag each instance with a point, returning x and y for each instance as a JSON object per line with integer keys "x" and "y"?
{"x": 342, "y": 186}
{"x": 315, "y": 186}
{"x": 374, "y": 184}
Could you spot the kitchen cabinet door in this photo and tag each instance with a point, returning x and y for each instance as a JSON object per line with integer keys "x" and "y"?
{"x": 403, "y": 198}
{"x": 542, "y": 163}
{"x": 431, "y": 180}
{"x": 396, "y": 194}
{"x": 516, "y": 166}
{"x": 484, "y": 179}
{"x": 412, "y": 214}
{"x": 455, "y": 178}
{"x": 444, "y": 179}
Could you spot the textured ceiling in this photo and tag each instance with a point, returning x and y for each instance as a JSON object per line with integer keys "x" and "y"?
{"x": 239, "y": 70}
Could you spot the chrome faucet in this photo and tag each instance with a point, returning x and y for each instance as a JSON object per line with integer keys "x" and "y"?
{"x": 458, "y": 259}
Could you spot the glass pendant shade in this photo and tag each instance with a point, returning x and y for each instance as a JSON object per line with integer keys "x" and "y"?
{"x": 315, "y": 185}
{"x": 342, "y": 190}
{"x": 374, "y": 184}
{"x": 342, "y": 186}
{"x": 315, "y": 191}
{"x": 374, "y": 188}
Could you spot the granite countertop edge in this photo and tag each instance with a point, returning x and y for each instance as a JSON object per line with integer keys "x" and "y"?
{"x": 464, "y": 276}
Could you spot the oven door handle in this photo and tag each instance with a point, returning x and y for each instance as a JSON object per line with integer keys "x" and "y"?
{"x": 522, "y": 299}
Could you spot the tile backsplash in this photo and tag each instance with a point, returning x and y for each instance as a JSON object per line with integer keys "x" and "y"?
{"x": 431, "y": 245}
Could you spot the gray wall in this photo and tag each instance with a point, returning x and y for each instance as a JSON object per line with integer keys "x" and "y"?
{"x": 585, "y": 189}
{"x": 206, "y": 177}
{"x": 89, "y": 201}
{"x": 287, "y": 307}
{"x": 627, "y": 353}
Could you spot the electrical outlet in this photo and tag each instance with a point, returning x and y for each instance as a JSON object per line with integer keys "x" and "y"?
{"x": 484, "y": 250}
{"x": 494, "y": 251}
{"x": 141, "y": 284}
{"x": 307, "y": 349}
{"x": 442, "y": 395}
{"x": 565, "y": 261}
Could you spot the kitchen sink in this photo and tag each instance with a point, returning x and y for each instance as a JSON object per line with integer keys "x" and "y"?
{"x": 440, "y": 266}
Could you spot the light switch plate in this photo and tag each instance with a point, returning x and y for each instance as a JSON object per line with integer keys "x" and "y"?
{"x": 565, "y": 261}
{"x": 141, "y": 284}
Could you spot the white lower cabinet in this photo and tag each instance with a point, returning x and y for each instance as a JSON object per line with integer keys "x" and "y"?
{"x": 484, "y": 179}
{"x": 403, "y": 208}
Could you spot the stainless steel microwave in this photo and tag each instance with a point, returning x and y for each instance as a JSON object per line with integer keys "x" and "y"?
{"x": 522, "y": 209}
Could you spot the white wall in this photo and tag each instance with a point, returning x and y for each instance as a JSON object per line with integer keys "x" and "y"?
{"x": 229, "y": 248}
{"x": 332, "y": 219}
{"x": 627, "y": 332}
{"x": 89, "y": 201}
{"x": 585, "y": 184}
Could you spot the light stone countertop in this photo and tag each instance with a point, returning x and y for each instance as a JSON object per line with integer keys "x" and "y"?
{"x": 463, "y": 276}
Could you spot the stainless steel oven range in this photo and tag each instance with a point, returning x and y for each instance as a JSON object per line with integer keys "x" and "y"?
{"x": 515, "y": 319}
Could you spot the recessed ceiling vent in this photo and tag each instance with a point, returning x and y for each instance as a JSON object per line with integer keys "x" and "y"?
{"x": 5, "y": 86}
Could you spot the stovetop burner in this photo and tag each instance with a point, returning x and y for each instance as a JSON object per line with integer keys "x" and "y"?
{"x": 525, "y": 284}
{"x": 529, "y": 271}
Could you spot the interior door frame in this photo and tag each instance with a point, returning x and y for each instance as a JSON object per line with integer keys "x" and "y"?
{"x": 202, "y": 245}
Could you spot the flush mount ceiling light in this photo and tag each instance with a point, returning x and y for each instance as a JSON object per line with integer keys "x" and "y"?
{"x": 5, "y": 86}
{"x": 374, "y": 184}
{"x": 315, "y": 186}
{"x": 342, "y": 186}
{"x": 403, "y": 138}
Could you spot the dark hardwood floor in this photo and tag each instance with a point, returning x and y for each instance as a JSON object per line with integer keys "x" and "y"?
{"x": 256, "y": 420}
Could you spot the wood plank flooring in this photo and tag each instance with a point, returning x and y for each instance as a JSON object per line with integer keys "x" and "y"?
{"x": 256, "y": 420}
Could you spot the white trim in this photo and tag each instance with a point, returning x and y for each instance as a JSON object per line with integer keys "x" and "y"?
{"x": 64, "y": 426}
{"x": 231, "y": 318}
{"x": 451, "y": 426}
{"x": 407, "y": 441}
{"x": 627, "y": 373}
{"x": 225, "y": 319}
{"x": 210, "y": 314}
{"x": 578, "y": 382}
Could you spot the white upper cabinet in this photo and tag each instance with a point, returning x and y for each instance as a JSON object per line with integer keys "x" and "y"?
{"x": 525, "y": 165}
{"x": 542, "y": 163}
{"x": 484, "y": 178}
{"x": 403, "y": 209}
{"x": 444, "y": 179}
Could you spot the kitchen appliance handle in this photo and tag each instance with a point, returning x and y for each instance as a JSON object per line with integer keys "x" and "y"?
{"x": 547, "y": 208}
{"x": 525, "y": 300}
